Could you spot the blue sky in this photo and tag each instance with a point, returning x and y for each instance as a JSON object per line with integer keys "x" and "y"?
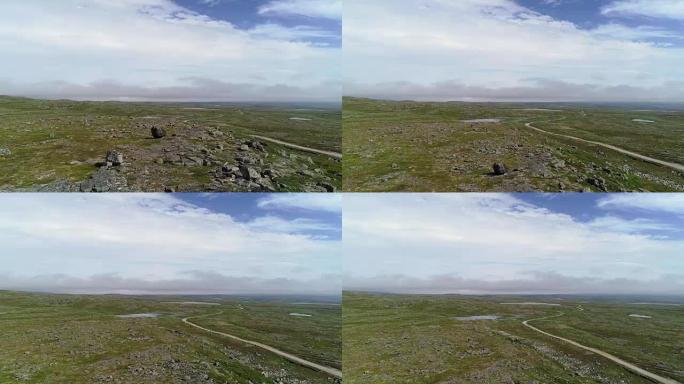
{"x": 164, "y": 50}
{"x": 171, "y": 243}
{"x": 514, "y": 243}
{"x": 245, "y": 14}
{"x": 515, "y": 50}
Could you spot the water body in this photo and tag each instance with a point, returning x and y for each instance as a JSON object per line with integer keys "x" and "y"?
{"x": 533, "y": 303}
{"x": 481, "y": 121}
{"x": 640, "y": 316}
{"x": 477, "y": 317}
{"x": 299, "y": 119}
{"x": 643, "y": 121}
{"x": 140, "y": 315}
{"x": 538, "y": 109}
{"x": 300, "y": 314}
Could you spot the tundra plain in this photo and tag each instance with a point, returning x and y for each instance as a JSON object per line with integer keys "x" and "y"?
{"x": 51, "y": 338}
{"x": 67, "y": 146}
{"x": 511, "y": 147}
{"x": 482, "y": 339}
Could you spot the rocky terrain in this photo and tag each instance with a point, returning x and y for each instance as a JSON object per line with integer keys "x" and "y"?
{"x": 80, "y": 339}
{"x": 404, "y": 146}
{"x": 99, "y": 147}
{"x": 420, "y": 339}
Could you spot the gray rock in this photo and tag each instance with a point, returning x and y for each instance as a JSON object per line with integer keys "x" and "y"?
{"x": 59, "y": 186}
{"x": 328, "y": 187}
{"x": 257, "y": 145}
{"x": 244, "y": 147}
{"x": 114, "y": 158}
{"x": 598, "y": 183}
{"x": 5, "y": 152}
{"x": 158, "y": 132}
{"x": 499, "y": 169}
{"x": 249, "y": 173}
{"x": 104, "y": 180}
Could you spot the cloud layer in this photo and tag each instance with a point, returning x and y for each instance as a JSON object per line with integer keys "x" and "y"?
{"x": 499, "y": 50}
{"x": 496, "y": 243}
{"x": 154, "y": 242}
{"x": 162, "y": 51}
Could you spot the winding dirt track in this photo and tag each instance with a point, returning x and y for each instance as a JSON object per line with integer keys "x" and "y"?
{"x": 332, "y": 154}
{"x": 639, "y": 371}
{"x": 298, "y": 360}
{"x": 675, "y": 166}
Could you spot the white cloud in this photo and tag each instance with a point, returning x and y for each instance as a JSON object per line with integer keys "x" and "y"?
{"x": 643, "y": 32}
{"x": 330, "y": 9}
{"x": 662, "y": 202}
{"x": 308, "y": 201}
{"x": 494, "y": 240}
{"x": 618, "y": 224}
{"x": 669, "y": 9}
{"x": 159, "y": 47}
{"x": 499, "y": 46}
{"x": 211, "y": 3}
{"x": 156, "y": 238}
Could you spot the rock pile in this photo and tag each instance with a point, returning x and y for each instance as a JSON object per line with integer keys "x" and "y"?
{"x": 113, "y": 158}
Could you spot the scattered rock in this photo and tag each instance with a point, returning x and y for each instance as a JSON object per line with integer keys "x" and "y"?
{"x": 244, "y": 147}
{"x": 499, "y": 169}
{"x": 158, "y": 132}
{"x": 5, "y": 152}
{"x": 328, "y": 187}
{"x": 257, "y": 145}
{"x": 113, "y": 158}
{"x": 104, "y": 180}
{"x": 597, "y": 182}
{"x": 249, "y": 173}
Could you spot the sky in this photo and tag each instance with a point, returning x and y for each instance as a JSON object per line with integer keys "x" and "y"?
{"x": 515, "y": 50}
{"x": 514, "y": 243}
{"x": 171, "y": 243}
{"x": 164, "y": 50}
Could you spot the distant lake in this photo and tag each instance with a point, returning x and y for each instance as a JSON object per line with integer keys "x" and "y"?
{"x": 477, "y": 317}
{"x": 481, "y": 121}
{"x": 140, "y": 315}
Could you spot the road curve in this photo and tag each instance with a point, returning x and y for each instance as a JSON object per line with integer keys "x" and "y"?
{"x": 675, "y": 166}
{"x": 332, "y": 154}
{"x": 329, "y": 370}
{"x": 629, "y": 366}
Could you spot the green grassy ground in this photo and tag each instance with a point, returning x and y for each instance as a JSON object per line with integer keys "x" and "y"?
{"x": 80, "y": 339}
{"x": 411, "y": 146}
{"x": 415, "y": 339}
{"x": 64, "y": 140}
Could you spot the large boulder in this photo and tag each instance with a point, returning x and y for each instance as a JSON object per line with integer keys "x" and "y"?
{"x": 113, "y": 158}
{"x": 249, "y": 173}
{"x": 499, "y": 169}
{"x": 158, "y": 132}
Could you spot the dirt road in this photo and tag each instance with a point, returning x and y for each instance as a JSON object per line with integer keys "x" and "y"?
{"x": 332, "y": 154}
{"x": 629, "y": 366}
{"x": 298, "y": 360}
{"x": 675, "y": 166}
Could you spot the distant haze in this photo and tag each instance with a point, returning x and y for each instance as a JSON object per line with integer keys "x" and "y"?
{"x": 514, "y": 50}
{"x": 514, "y": 244}
{"x": 171, "y": 50}
{"x": 171, "y": 244}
